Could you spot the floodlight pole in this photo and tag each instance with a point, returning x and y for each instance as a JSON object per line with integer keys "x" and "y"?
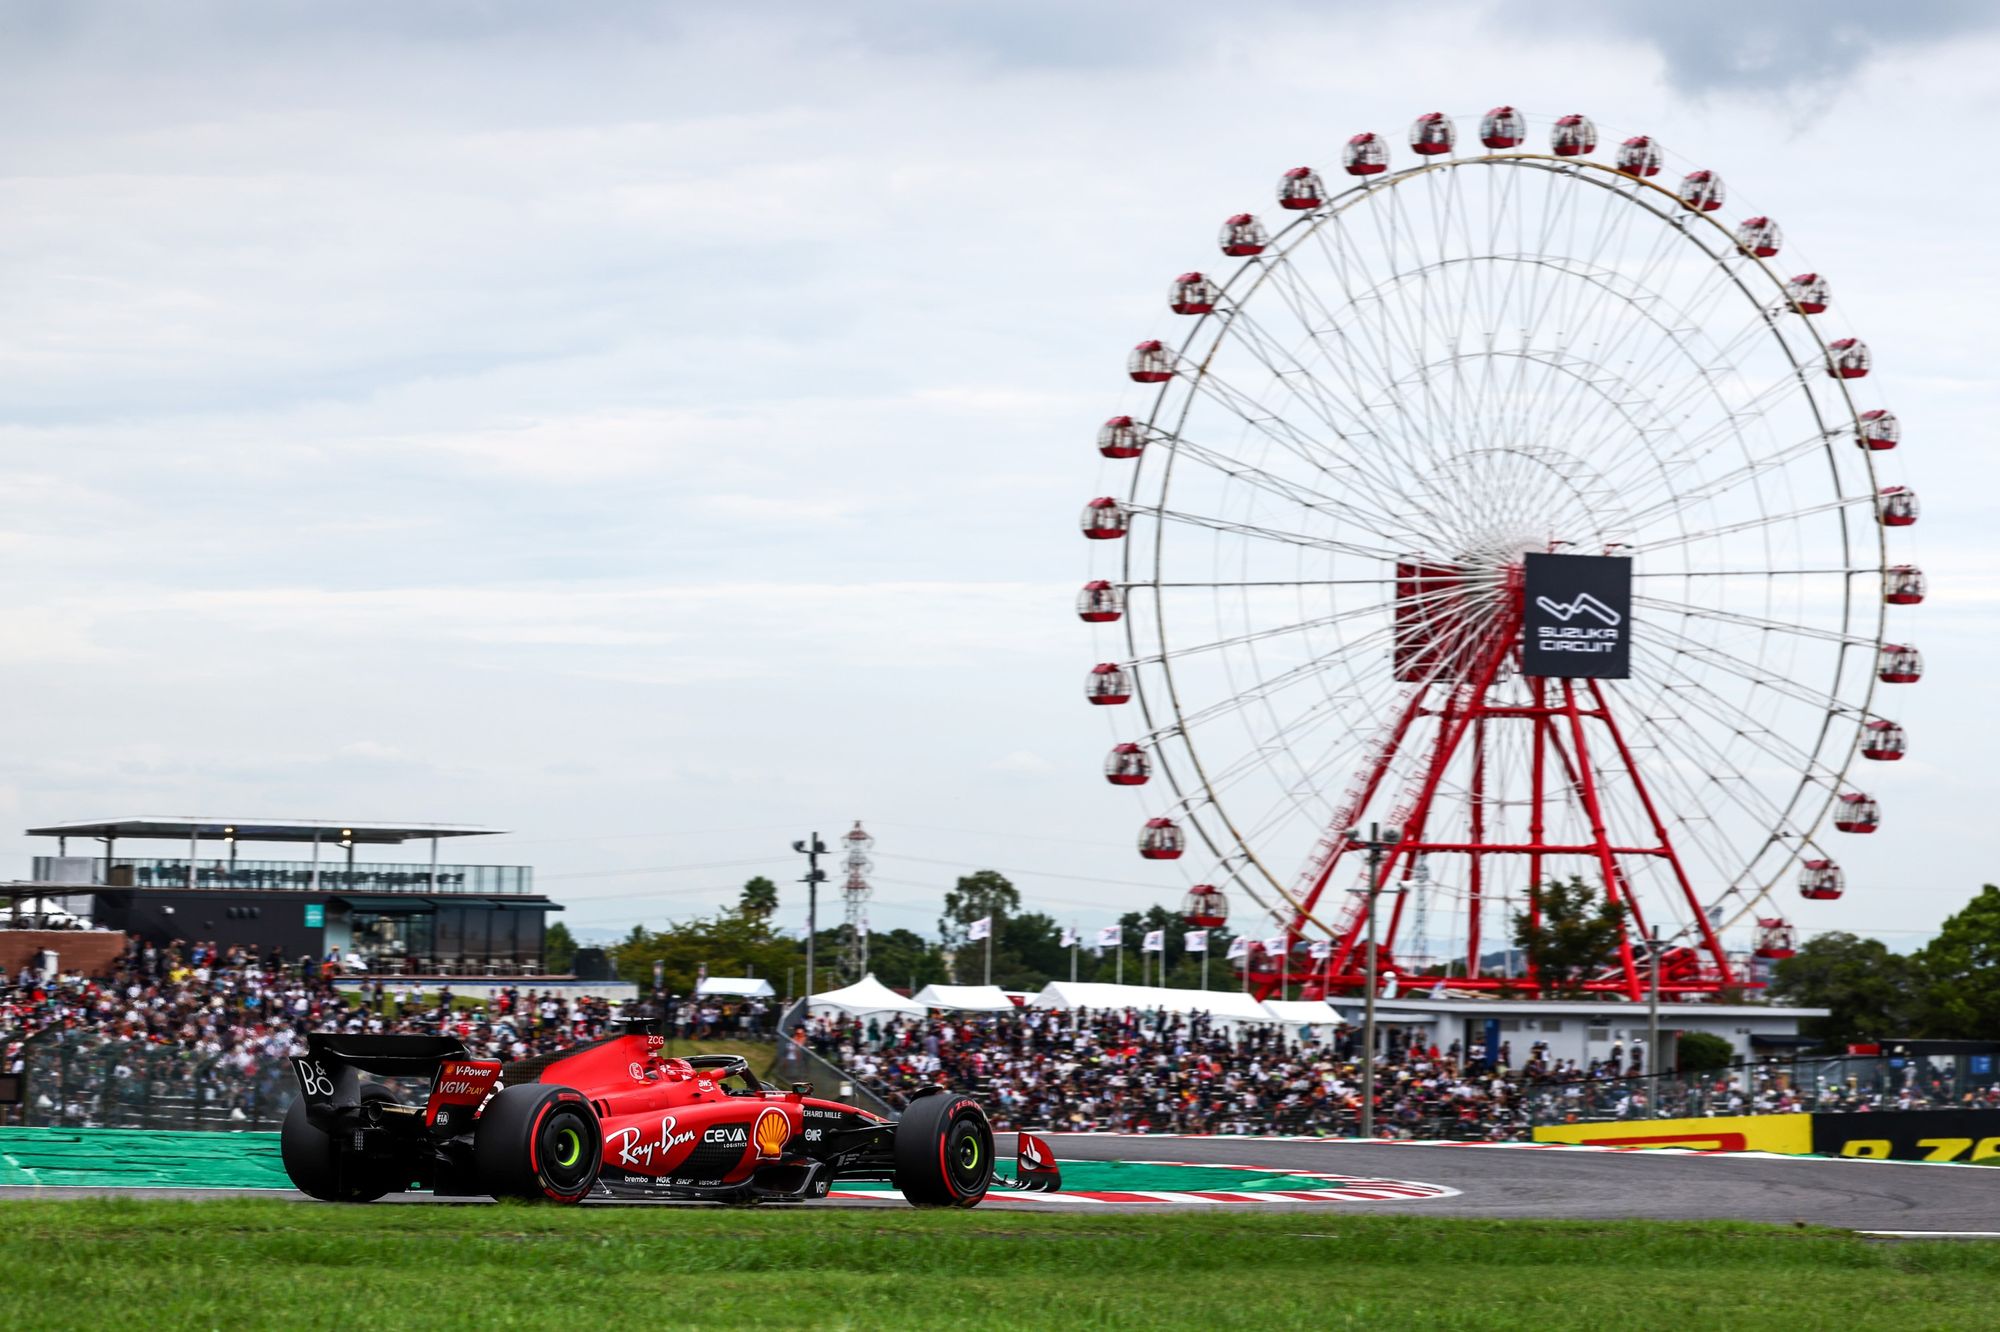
{"x": 1379, "y": 839}
{"x": 1653, "y": 1008}
{"x": 812, "y": 850}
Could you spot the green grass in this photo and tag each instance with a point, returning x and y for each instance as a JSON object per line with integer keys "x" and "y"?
{"x": 234, "y": 1264}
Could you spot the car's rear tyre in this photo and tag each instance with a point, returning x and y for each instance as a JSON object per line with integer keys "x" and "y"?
{"x": 944, "y": 1152}
{"x": 537, "y": 1141}
{"x": 313, "y": 1162}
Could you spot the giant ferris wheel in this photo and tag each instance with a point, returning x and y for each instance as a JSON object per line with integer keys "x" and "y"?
{"x": 1332, "y": 497}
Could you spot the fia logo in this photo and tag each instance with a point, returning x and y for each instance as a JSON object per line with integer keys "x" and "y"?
{"x": 1583, "y": 602}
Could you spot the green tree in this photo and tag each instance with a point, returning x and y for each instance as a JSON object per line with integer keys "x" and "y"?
{"x": 759, "y": 900}
{"x": 558, "y": 948}
{"x": 983, "y": 894}
{"x": 1702, "y": 1052}
{"x": 1577, "y": 934}
{"x": 904, "y": 957}
{"x": 1028, "y": 952}
{"x": 726, "y": 943}
{"x": 1872, "y": 992}
{"x": 1961, "y": 973}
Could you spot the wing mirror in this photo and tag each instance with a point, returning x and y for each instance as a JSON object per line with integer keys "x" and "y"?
{"x": 802, "y": 1089}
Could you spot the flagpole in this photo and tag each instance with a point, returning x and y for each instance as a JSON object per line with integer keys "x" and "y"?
{"x": 989, "y": 950}
{"x": 1121, "y": 957}
{"x": 1204, "y": 963}
{"x": 1072, "y": 954}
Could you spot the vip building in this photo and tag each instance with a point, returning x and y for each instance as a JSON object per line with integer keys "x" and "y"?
{"x": 200, "y": 879}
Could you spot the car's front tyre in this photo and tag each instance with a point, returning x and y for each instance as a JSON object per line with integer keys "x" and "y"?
{"x": 944, "y": 1152}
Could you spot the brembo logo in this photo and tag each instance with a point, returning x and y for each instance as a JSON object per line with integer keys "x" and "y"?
{"x": 1581, "y": 604}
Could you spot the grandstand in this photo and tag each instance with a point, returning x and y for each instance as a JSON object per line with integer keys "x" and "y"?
{"x": 422, "y": 918}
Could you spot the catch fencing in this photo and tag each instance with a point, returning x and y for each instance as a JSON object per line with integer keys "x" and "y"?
{"x": 78, "y": 1079}
{"x": 1843, "y": 1083}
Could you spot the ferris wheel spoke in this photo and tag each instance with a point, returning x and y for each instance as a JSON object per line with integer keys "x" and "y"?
{"x": 1679, "y": 497}
{"x": 1721, "y": 779}
{"x": 1739, "y": 723}
{"x": 1848, "y": 572}
{"x": 1752, "y": 621}
{"x": 1248, "y": 410}
{"x": 1269, "y": 582}
{"x": 1305, "y": 496}
{"x": 1267, "y": 533}
{"x": 1346, "y": 348}
{"x": 1750, "y": 524}
{"x": 1749, "y": 672}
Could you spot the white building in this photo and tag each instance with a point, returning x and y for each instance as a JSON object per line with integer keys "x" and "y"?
{"x": 1581, "y": 1029}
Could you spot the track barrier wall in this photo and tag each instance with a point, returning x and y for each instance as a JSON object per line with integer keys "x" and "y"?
{"x": 1892, "y": 1135}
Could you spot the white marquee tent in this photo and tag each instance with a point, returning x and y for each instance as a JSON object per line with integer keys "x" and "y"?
{"x": 1304, "y": 1012}
{"x": 736, "y": 987}
{"x": 1227, "y": 1005}
{"x": 865, "y": 996}
{"x": 965, "y": 998}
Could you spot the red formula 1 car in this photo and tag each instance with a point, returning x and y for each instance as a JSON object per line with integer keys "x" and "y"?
{"x": 618, "y": 1119}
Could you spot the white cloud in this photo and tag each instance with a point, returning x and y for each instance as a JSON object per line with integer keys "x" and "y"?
{"x": 626, "y": 413}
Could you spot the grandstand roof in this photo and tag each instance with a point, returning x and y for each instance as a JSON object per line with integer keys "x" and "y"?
{"x": 184, "y": 827}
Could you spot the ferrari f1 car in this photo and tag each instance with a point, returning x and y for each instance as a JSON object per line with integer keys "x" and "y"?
{"x": 617, "y": 1118}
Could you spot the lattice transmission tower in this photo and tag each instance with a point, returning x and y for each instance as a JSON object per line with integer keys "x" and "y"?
{"x": 854, "y": 958}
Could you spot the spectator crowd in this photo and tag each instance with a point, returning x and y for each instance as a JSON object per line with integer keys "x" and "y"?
{"x": 196, "y": 1032}
{"x": 215, "y": 1027}
{"x": 1127, "y": 1071}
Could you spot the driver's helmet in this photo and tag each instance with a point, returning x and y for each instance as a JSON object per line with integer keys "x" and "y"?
{"x": 676, "y": 1070}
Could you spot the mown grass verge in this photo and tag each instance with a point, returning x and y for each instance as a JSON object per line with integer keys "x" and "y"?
{"x": 239, "y": 1263}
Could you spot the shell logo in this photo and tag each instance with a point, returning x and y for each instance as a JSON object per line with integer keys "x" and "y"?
{"x": 772, "y": 1132}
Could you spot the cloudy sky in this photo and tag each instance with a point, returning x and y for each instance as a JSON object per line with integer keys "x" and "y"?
{"x": 658, "y": 430}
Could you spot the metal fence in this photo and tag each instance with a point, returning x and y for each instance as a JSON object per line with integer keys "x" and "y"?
{"x": 87, "y": 1080}
{"x": 1849, "y": 1082}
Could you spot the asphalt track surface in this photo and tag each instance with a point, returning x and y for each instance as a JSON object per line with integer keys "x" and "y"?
{"x": 1503, "y": 1183}
{"x": 1498, "y": 1182}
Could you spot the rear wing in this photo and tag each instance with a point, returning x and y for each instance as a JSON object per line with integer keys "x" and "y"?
{"x": 329, "y": 1074}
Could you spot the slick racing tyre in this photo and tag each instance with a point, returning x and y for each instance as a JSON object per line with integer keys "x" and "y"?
{"x": 944, "y": 1152}
{"x": 314, "y": 1165}
{"x": 538, "y": 1141}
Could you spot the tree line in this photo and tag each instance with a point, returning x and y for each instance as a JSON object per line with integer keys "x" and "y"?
{"x": 1028, "y": 951}
{"x": 1948, "y": 989}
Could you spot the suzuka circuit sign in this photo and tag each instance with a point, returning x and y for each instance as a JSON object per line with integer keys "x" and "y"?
{"x": 1578, "y": 616}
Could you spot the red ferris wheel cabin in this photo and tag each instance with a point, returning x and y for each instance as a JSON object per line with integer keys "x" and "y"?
{"x": 1821, "y": 881}
{"x": 1573, "y": 136}
{"x": 1502, "y": 127}
{"x": 1883, "y": 741}
{"x": 1128, "y": 764}
{"x": 1432, "y": 133}
{"x": 1365, "y": 155}
{"x": 1162, "y": 839}
{"x": 1100, "y": 602}
{"x": 1242, "y": 236}
{"x": 1108, "y": 684}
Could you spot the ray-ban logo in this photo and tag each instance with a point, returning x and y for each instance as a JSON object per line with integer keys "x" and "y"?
{"x": 1567, "y": 611}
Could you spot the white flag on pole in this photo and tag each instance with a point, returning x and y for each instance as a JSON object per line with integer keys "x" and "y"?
{"x": 1275, "y": 945}
{"x": 1238, "y": 948}
{"x": 1068, "y": 937}
{"x": 1322, "y": 949}
{"x": 1111, "y": 936}
{"x": 1195, "y": 941}
{"x": 980, "y": 929}
{"x": 1154, "y": 942}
